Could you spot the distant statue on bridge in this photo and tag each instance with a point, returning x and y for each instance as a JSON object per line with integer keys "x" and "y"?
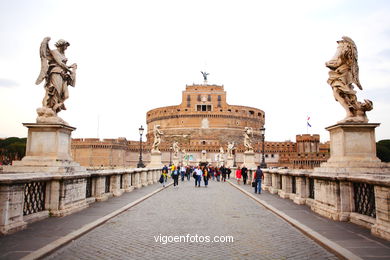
{"x": 343, "y": 76}
{"x": 205, "y": 74}
{"x": 176, "y": 149}
{"x": 58, "y": 76}
{"x": 157, "y": 138}
{"x": 230, "y": 149}
{"x": 248, "y": 134}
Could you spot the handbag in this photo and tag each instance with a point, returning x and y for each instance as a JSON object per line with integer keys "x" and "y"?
{"x": 161, "y": 180}
{"x": 253, "y": 184}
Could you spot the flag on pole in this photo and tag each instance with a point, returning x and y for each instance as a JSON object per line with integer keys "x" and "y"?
{"x": 308, "y": 124}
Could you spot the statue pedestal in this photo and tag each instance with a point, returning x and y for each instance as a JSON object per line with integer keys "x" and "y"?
{"x": 155, "y": 160}
{"x": 48, "y": 157}
{"x": 352, "y": 145}
{"x": 229, "y": 162}
{"x": 48, "y": 149}
{"x": 249, "y": 160}
{"x": 176, "y": 161}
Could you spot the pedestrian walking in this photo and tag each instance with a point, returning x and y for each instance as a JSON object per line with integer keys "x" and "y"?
{"x": 228, "y": 172}
{"x": 198, "y": 175}
{"x": 258, "y": 177}
{"x": 217, "y": 173}
{"x": 238, "y": 175}
{"x": 166, "y": 170}
{"x": 223, "y": 172}
{"x": 206, "y": 176}
{"x": 212, "y": 172}
{"x": 164, "y": 175}
{"x": 188, "y": 172}
{"x": 175, "y": 177}
{"x": 182, "y": 172}
{"x": 244, "y": 173}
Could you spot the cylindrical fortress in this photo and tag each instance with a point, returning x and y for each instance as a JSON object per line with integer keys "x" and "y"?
{"x": 204, "y": 120}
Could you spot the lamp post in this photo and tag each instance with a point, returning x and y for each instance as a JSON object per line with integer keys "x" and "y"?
{"x": 262, "y": 164}
{"x": 234, "y": 157}
{"x": 170, "y": 155}
{"x": 140, "y": 163}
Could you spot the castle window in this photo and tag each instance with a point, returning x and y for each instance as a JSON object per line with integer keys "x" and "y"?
{"x": 203, "y": 108}
{"x": 209, "y": 98}
{"x": 188, "y": 98}
{"x": 251, "y": 112}
{"x": 259, "y": 114}
{"x": 204, "y": 142}
{"x": 229, "y": 110}
{"x": 219, "y": 101}
{"x": 199, "y": 98}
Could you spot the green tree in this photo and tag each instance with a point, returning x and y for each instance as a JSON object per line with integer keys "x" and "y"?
{"x": 383, "y": 150}
{"x": 12, "y": 148}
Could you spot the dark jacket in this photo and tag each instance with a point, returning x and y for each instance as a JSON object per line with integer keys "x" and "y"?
{"x": 258, "y": 175}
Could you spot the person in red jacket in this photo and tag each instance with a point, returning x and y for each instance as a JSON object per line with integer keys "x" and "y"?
{"x": 238, "y": 175}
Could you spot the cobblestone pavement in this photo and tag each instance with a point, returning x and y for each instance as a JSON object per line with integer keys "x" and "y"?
{"x": 219, "y": 210}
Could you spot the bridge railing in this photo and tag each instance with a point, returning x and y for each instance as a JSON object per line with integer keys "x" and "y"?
{"x": 29, "y": 197}
{"x": 362, "y": 199}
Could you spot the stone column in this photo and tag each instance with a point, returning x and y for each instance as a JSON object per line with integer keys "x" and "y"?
{"x": 275, "y": 183}
{"x": 127, "y": 182}
{"x": 144, "y": 178}
{"x": 137, "y": 180}
{"x": 301, "y": 191}
{"x": 100, "y": 185}
{"x": 267, "y": 180}
{"x": 72, "y": 197}
{"x": 382, "y": 204}
{"x": 286, "y": 187}
{"x": 150, "y": 176}
{"x": 115, "y": 185}
{"x": 11, "y": 208}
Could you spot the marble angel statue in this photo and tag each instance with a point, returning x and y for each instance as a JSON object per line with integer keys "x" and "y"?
{"x": 343, "y": 77}
{"x": 57, "y": 76}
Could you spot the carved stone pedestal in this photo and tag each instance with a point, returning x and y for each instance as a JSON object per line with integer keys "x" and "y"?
{"x": 176, "y": 161}
{"x": 249, "y": 160}
{"x": 155, "y": 160}
{"x": 229, "y": 162}
{"x": 48, "y": 156}
{"x": 48, "y": 150}
{"x": 352, "y": 145}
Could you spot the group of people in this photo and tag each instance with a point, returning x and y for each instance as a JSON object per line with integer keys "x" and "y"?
{"x": 209, "y": 173}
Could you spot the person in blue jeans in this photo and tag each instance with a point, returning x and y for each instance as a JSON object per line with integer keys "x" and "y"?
{"x": 258, "y": 177}
{"x": 198, "y": 176}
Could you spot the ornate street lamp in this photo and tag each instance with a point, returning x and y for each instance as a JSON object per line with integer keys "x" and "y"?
{"x": 262, "y": 164}
{"x": 170, "y": 155}
{"x": 140, "y": 163}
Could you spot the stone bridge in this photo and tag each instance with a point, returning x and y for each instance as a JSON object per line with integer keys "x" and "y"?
{"x": 130, "y": 216}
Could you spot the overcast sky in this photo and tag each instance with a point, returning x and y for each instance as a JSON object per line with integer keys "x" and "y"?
{"x": 134, "y": 56}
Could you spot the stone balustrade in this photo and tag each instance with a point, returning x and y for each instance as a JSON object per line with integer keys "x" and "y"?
{"x": 28, "y": 197}
{"x": 361, "y": 199}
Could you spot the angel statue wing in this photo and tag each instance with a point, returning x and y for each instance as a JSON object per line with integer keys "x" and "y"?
{"x": 354, "y": 63}
{"x": 44, "y": 53}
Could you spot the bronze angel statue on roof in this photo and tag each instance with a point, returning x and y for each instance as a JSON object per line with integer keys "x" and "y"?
{"x": 58, "y": 76}
{"x": 343, "y": 76}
